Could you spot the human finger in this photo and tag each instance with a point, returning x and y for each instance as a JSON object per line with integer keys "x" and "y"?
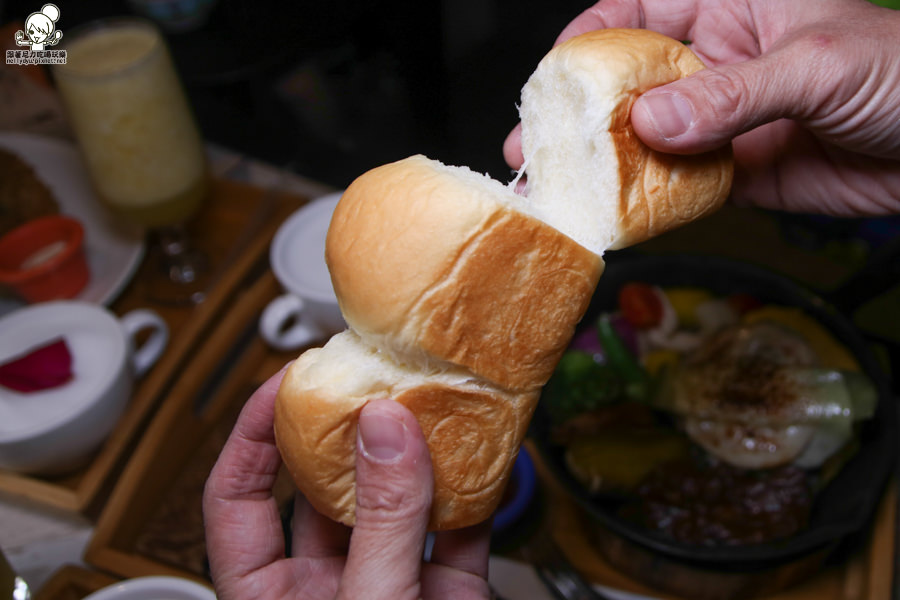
{"x": 512, "y": 148}
{"x": 670, "y": 17}
{"x": 394, "y": 490}
{"x": 830, "y": 75}
{"x": 314, "y": 535}
{"x": 710, "y": 107}
{"x": 465, "y": 549}
{"x": 243, "y": 525}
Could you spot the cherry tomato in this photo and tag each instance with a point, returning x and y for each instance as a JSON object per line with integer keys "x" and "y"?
{"x": 640, "y": 305}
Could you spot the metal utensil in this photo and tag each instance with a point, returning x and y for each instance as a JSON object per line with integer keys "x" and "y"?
{"x": 557, "y": 573}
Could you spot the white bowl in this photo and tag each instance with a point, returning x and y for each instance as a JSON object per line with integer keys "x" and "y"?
{"x": 154, "y": 588}
{"x": 55, "y": 430}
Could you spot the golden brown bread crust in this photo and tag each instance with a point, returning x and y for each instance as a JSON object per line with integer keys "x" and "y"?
{"x": 459, "y": 308}
{"x": 660, "y": 191}
{"x": 310, "y": 424}
{"x": 421, "y": 265}
{"x": 473, "y": 433}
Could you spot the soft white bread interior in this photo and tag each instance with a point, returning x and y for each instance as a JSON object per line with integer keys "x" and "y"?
{"x": 580, "y": 149}
{"x": 461, "y": 295}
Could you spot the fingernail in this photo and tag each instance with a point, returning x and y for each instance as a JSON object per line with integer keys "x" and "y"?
{"x": 383, "y": 437}
{"x": 670, "y": 114}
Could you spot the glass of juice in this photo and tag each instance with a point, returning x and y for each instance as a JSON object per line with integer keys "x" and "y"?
{"x": 137, "y": 134}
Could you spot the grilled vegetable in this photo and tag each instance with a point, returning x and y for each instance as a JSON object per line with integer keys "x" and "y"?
{"x": 616, "y": 461}
{"x": 640, "y": 305}
{"x": 580, "y": 384}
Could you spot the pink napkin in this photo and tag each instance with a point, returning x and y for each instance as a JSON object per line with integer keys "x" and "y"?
{"x": 43, "y": 368}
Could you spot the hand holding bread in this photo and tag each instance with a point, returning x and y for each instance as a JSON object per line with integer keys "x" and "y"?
{"x": 460, "y": 294}
{"x": 812, "y": 114}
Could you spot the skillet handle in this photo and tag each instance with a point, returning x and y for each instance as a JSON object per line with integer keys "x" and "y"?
{"x": 880, "y": 273}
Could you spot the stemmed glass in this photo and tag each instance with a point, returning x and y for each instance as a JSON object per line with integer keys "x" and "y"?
{"x": 139, "y": 140}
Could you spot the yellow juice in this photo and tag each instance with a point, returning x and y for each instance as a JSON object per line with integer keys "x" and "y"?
{"x": 133, "y": 123}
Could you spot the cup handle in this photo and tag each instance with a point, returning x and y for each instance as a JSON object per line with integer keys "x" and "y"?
{"x": 149, "y": 352}
{"x": 277, "y": 314}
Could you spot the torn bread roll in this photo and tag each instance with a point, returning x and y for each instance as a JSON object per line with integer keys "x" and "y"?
{"x": 439, "y": 266}
{"x": 459, "y": 306}
{"x": 461, "y": 295}
{"x": 581, "y": 151}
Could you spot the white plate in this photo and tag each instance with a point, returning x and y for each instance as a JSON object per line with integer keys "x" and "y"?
{"x": 113, "y": 248}
{"x": 514, "y": 580}
{"x": 154, "y": 588}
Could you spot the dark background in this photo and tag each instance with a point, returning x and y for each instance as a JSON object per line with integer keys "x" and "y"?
{"x": 330, "y": 89}
{"x": 334, "y": 88}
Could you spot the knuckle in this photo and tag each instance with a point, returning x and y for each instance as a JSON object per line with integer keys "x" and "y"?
{"x": 824, "y": 68}
{"x": 724, "y": 94}
{"x": 391, "y": 500}
{"x": 812, "y": 42}
{"x": 825, "y": 51}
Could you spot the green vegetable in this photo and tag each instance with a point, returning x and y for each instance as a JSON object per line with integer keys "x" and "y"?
{"x": 580, "y": 384}
{"x": 829, "y": 437}
{"x": 617, "y": 354}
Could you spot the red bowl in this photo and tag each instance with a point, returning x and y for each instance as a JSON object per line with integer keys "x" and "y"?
{"x": 44, "y": 259}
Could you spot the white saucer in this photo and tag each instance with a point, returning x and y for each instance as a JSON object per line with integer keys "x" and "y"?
{"x": 297, "y": 253}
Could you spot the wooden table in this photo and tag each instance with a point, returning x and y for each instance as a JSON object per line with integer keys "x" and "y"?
{"x": 46, "y": 521}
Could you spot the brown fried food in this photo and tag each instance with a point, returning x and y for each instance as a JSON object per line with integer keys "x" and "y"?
{"x": 23, "y": 196}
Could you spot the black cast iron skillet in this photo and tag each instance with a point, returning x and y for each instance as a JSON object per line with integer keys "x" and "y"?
{"x": 843, "y": 508}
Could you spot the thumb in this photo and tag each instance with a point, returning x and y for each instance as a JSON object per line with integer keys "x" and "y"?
{"x": 394, "y": 489}
{"x": 707, "y": 109}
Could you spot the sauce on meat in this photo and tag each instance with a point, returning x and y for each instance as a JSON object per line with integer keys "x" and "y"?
{"x": 714, "y": 504}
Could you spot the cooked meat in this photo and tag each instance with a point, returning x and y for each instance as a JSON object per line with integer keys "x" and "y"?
{"x": 23, "y": 196}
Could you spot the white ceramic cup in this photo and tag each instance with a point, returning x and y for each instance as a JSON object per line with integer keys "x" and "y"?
{"x": 154, "y": 588}
{"x": 56, "y": 430}
{"x": 308, "y": 311}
